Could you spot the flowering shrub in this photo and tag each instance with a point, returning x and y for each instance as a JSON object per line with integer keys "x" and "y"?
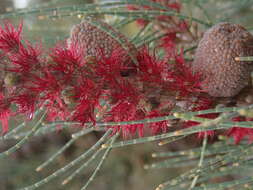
{"x": 74, "y": 84}
{"x": 141, "y": 89}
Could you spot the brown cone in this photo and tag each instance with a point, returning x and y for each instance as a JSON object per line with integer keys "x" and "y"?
{"x": 215, "y": 59}
{"x": 92, "y": 39}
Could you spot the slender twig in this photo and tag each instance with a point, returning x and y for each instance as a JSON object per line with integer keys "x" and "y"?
{"x": 201, "y": 160}
{"x": 108, "y": 149}
{"x": 68, "y": 144}
{"x": 24, "y": 140}
{"x": 70, "y": 165}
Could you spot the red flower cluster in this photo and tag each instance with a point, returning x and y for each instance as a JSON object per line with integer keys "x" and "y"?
{"x": 202, "y": 103}
{"x": 239, "y": 133}
{"x": 169, "y": 4}
{"x": 171, "y": 26}
{"x": 75, "y": 85}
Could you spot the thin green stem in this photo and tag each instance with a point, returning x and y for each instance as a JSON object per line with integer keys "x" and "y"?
{"x": 170, "y": 140}
{"x": 24, "y": 140}
{"x": 156, "y": 119}
{"x": 108, "y": 149}
{"x": 150, "y": 38}
{"x": 76, "y": 172}
{"x": 209, "y": 20}
{"x": 68, "y": 144}
{"x": 70, "y": 165}
{"x": 19, "y": 127}
{"x": 142, "y": 31}
{"x": 233, "y": 156}
{"x": 14, "y": 131}
{"x": 249, "y": 58}
{"x": 201, "y": 160}
{"x": 190, "y": 49}
{"x": 124, "y": 22}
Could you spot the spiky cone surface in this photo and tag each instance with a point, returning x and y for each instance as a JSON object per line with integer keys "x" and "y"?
{"x": 98, "y": 43}
{"x": 215, "y": 59}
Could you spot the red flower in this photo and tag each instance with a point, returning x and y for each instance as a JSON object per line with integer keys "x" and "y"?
{"x": 125, "y": 111}
{"x": 202, "y": 103}
{"x": 183, "y": 25}
{"x": 209, "y": 133}
{"x": 140, "y": 22}
{"x": 176, "y": 6}
{"x": 157, "y": 127}
{"x": 168, "y": 43}
{"x": 151, "y": 69}
{"x": 67, "y": 59}
{"x": 238, "y": 133}
{"x": 26, "y": 103}
{"x": 22, "y": 56}
{"x": 124, "y": 90}
{"x": 110, "y": 69}
{"x": 87, "y": 94}
{"x": 56, "y": 112}
{"x": 177, "y": 76}
{"x": 47, "y": 87}
{"x": 10, "y": 38}
{"x": 171, "y": 5}
{"x": 26, "y": 58}
{"x": 125, "y": 100}
{"x": 184, "y": 80}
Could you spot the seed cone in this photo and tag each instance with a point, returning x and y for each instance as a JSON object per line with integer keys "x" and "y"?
{"x": 215, "y": 59}
{"x": 93, "y": 40}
